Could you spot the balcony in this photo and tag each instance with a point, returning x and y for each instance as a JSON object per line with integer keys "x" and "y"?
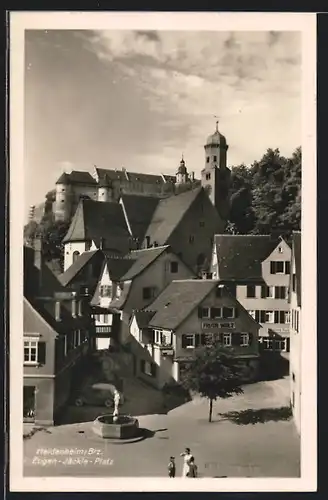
{"x": 104, "y": 330}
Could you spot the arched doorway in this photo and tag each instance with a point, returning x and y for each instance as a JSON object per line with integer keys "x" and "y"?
{"x": 76, "y": 255}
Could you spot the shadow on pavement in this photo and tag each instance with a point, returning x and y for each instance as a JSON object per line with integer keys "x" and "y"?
{"x": 261, "y": 416}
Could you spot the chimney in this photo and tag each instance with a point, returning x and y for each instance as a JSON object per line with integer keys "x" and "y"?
{"x": 192, "y": 176}
{"x": 57, "y": 311}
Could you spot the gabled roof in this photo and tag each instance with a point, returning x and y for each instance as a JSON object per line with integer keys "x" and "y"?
{"x": 94, "y": 220}
{"x": 143, "y": 259}
{"x": 180, "y": 298}
{"x": 76, "y": 177}
{"x": 125, "y": 175}
{"x": 139, "y": 211}
{"x": 143, "y": 318}
{"x": 240, "y": 257}
{"x": 169, "y": 213}
{"x": 73, "y": 270}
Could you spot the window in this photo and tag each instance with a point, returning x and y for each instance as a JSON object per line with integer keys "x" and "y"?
{"x": 105, "y": 291}
{"x": 166, "y": 338}
{"x": 157, "y": 335}
{"x": 227, "y": 339}
{"x": 268, "y": 344}
{"x": 244, "y": 339}
{"x": 280, "y": 345}
{"x": 208, "y": 176}
{"x": 191, "y": 238}
{"x": 206, "y": 312}
{"x": 280, "y": 292}
{"x": 251, "y": 291}
{"x": 293, "y": 377}
{"x": 214, "y": 158}
{"x": 216, "y": 312}
{"x": 76, "y": 255}
{"x": 188, "y": 341}
{"x": 276, "y": 267}
{"x": 267, "y": 292}
{"x": 280, "y": 250}
{"x": 207, "y": 159}
{"x": 105, "y": 318}
{"x": 269, "y": 316}
{"x": 147, "y": 293}
{"x": 287, "y": 317}
{"x": 31, "y": 352}
{"x": 287, "y": 267}
{"x": 174, "y": 267}
{"x": 78, "y": 337}
{"x": 201, "y": 223}
{"x": 228, "y": 312}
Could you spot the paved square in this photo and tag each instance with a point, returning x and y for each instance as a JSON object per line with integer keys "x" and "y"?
{"x": 221, "y": 448}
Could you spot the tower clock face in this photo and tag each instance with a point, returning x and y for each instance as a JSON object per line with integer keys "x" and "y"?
{"x": 208, "y": 189}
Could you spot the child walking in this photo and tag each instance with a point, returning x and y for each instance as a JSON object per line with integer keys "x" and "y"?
{"x": 171, "y": 467}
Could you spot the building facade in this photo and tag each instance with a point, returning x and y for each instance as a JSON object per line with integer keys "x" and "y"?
{"x": 257, "y": 269}
{"x": 295, "y": 300}
{"x": 186, "y": 315}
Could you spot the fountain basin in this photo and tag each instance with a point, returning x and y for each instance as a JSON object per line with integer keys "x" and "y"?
{"x": 125, "y": 428}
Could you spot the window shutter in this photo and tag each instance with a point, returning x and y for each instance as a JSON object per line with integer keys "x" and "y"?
{"x": 272, "y": 267}
{"x": 276, "y": 317}
{"x": 153, "y": 369}
{"x": 42, "y": 353}
{"x": 236, "y": 312}
{"x": 262, "y": 316}
{"x": 264, "y": 291}
{"x": 257, "y": 316}
{"x": 183, "y": 341}
{"x": 224, "y": 312}
{"x": 287, "y": 267}
{"x": 282, "y": 317}
{"x": 197, "y": 339}
{"x": 251, "y": 338}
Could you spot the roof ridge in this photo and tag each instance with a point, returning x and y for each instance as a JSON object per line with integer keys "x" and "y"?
{"x": 150, "y": 248}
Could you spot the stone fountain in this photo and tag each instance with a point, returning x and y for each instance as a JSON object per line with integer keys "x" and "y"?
{"x": 116, "y": 427}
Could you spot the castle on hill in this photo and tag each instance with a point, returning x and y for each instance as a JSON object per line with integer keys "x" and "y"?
{"x": 109, "y": 185}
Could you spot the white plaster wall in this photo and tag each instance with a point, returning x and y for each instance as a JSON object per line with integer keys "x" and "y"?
{"x": 70, "y": 248}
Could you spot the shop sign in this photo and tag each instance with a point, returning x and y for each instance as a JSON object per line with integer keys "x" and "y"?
{"x": 167, "y": 352}
{"x": 209, "y": 325}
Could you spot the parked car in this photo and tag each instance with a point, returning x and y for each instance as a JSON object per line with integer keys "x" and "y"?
{"x": 99, "y": 394}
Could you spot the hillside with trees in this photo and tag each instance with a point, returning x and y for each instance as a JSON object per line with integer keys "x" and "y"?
{"x": 266, "y": 197}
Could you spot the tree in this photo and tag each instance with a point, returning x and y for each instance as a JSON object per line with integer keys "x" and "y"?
{"x": 213, "y": 373}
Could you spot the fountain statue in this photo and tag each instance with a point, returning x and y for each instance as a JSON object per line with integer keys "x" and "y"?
{"x": 117, "y": 399}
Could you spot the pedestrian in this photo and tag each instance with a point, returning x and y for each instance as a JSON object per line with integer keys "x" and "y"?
{"x": 186, "y": 458}
{"x": 171, "y": 467}
{"x": 192, "y": 468}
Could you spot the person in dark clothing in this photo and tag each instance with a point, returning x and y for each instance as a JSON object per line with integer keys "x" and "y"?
{"x": 171, "y": 467}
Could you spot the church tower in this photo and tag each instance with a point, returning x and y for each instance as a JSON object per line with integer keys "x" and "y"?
{"x": 216, "y": 176}
{"x": 182, "y": 176}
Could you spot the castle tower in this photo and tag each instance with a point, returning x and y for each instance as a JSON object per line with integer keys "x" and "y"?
{"x": 216, "y": 176}
{"x": 105, "y": 190}
{"x": 63, "y": 201}
{"x": 182, "y": 176}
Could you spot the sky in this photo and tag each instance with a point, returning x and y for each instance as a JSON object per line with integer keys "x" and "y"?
{"x": 141, "y": 99}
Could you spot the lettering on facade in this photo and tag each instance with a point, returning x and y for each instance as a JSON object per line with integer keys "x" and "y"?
{"x": 217, "y": 325}
{"x": 167, "y": 352}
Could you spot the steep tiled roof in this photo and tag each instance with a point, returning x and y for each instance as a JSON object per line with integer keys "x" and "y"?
{"x": 297, "y": 253}
{"x": 80, "y": 177}
{"x": 143, "y": 318}
{"x": 177, "y": 301}
{"x": 125, "y": 175}
{"x": 240, "y": 256}
{"x": 143, "y": 259}
{"x": 168, "y": 214}
{"x": 70, "y": 273}
{"x": 32, "y": 277}
{"x": 94, "y": 220}
{"x": 139, "y": 211}
{"x": 119, "y": 266}
{"x": 63, "y": 179}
